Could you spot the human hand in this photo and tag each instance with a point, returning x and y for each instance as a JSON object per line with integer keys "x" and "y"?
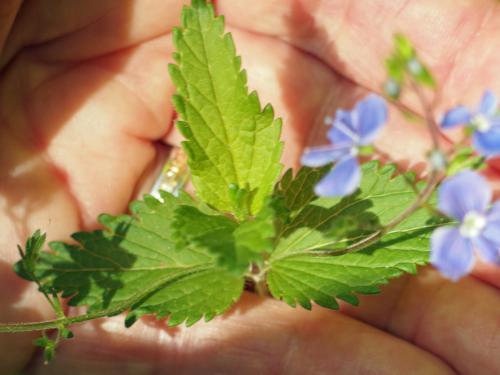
{"x": 85, "y": 107}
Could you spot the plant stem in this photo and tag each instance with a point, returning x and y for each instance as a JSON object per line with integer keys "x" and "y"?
{"x": 56, "y": 323}
{"x": 118, "y": 309}
{"x": 422, "y": 197}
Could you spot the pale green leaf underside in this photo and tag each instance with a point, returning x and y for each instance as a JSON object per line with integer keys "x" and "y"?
{"x": 297, "y": 275}
{"x": 135, "y": 262}
{"x": 229, "y": 139}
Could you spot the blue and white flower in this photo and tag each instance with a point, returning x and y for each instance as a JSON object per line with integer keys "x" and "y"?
{"x": 484, "y": 122}
{"x": 351, "y": 130}
{"x": 466, "y": 198}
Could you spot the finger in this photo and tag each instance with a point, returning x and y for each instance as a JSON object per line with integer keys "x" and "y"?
{"x": 459, "y": 322}
{"x": 488, "y": 273}
{"x": 8, "y": 12}
{"x": 258, "y": 336}
{"x": 75, "y": 139}
{"x": 94, "y": 123}
{"x": 453, "y": 37}
{"x": 67, "y": 31}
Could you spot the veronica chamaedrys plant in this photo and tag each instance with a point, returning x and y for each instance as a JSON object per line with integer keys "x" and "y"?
{"x": 466, "y": 197}
{"x": 350, "y": 132}
{"x": 247, "y": 226}
{"x": 483, "y": 122}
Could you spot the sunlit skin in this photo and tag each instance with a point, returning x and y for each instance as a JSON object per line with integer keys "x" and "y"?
{"x": 85, "y": 108}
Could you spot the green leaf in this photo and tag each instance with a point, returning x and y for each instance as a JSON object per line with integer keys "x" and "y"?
{"x": 421, "y": 74}
{"x": 298, "y": 191}
{"x": 232, "y": 144}
{"x": 395, "y": 69}
{"x": 254, "y": 237}
{"x": 236, "y": 245}
{"x": 134, "y": 264}
{"x": 26, "y": 267}
{"x": 403, "y": 47}
{"x": 48, "y": 346}
{"x": 209, "y": 233}
{"x": 297, "y": 275}
{"x": 465, "y": 158}
{"x": 404, "y": 60}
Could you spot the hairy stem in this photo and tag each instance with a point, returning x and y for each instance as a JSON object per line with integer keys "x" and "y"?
{"x": 57, "y": 323}
{"x": 118, "y": 309}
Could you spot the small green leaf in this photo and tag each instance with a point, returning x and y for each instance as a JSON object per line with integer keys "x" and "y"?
{"x": 254, "y": 237}
{"x": 236, "y": 245}
{"x": 67, "y": 334}
{"x": 403, "y": 61}
{"x": 465, "y": 158}
{"x": 48, "y": 346}
{"x": 26, "y": 267}
{"x": 366, "y": 150}
{"x": 232, "y": 144}
{"x": 211, "y": 233}
{"x": 298, "y": 275}
{"x": 292, "y": 194}
{"x": 404, "y": 47}
{"x": 423, "y": 76}
{"x": 395, "y": 69}
{"x": 298, "y": 191}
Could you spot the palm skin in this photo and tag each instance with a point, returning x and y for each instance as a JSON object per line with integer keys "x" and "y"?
{"x": 85, "y": 107}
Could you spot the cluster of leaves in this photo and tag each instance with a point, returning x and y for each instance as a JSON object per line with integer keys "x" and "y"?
{"x": 404, "y": 61}
{"x": 188, "y": 258}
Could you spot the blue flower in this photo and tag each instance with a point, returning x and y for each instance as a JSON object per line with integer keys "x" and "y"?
{"x": 466, "y": 198}
{"x": 484, "y": 122}
{"x": 350, "y": 131}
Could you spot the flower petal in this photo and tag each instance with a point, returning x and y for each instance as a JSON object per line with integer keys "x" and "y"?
{"x": 451, "y": 253}
{"x": 371, "y": 116}
{"x": 488, "y": 250}
{"x": 489, "y": 103}
{"x": 492, "y": 229}
{"x": 342, "y": 180}
{"x": 319, "y": 156}
{"x": 466, "y": 191}
{"x": 487, "y": 143}
{"x": 343, "y": 131}
{"x": 494, "y": 213}
{"x": 456, "y": 116}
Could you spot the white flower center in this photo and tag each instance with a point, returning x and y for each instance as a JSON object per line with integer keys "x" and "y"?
{"x": 472, "y": 224}
{"x": 354, "y": 151}
{"x": 481, "y": 123}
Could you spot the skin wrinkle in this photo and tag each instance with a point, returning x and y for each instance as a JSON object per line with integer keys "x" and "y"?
{"x": 140, "y": 99}
{"x": 460, "y": 51}
{"x": 492, "y": 349}
{"x": 63, "y": 183}
{"x": 8, "y": 13}
{"x": 22, "y": 47}
{"x": 52, "y": 167}
{"x": 404, "y": 5}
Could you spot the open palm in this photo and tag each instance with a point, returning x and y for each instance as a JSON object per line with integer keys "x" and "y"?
{"x": 85, "y": 112}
